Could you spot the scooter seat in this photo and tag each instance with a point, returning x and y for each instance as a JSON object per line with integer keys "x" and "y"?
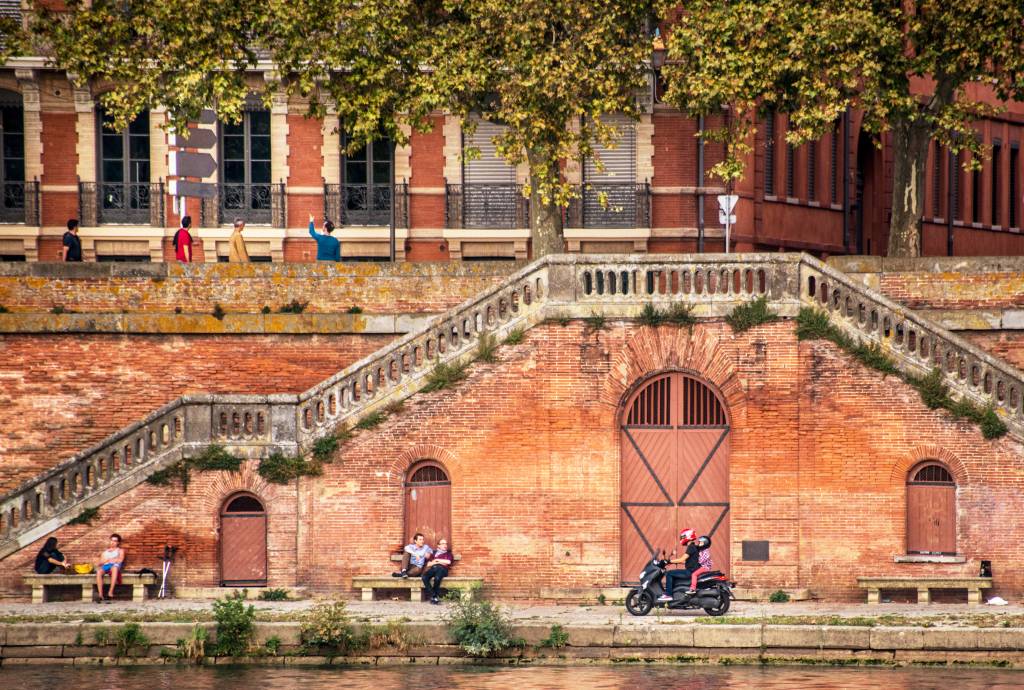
{"x": 711, "y": 575}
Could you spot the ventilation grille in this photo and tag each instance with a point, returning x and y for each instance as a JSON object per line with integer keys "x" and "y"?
{"x": 653, "y": 407}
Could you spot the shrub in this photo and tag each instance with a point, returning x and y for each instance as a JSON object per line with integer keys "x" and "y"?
{"x": 750, "y": 314}
{"x": 293, "y": 307}
{"x": 276, "y": 594}
{"x": 557, "y": 638}
{"x": 236, "y": 625}
{"x": 392, "y": 634}
{"x": 214, "y": 458}
{"x": 128, "y": 637}
{"x": 265, "y": 309}
{"x": 324, "y": 447}
{"x": 218, "y": 312}
{"x": 278, "y": 468}
{"x": 778, "y": 597}
{"x": 934, "y": 393}
{"x": 371, "y": 420}
{"x": 354, "y": 310}
{"x": 650, "y": 315}
{"x": 480, "y": 628}
{"x": 101, "y": 636}
{"x": 680, "y": 314}
{"x": 273, "y": 645}
{"x": 327, "y": 627}
{"x": 444, "y": 375}
{"x": 193, "y": 647}
{"x": 487, "y": 348}
{"x": 515, "y": 336}
{"x": 85, "y": 517}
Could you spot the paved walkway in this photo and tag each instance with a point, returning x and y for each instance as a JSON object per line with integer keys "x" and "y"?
{"x": 741, "y": 611}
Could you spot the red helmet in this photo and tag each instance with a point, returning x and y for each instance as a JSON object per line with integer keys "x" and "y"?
{"x": 687, "y": 535}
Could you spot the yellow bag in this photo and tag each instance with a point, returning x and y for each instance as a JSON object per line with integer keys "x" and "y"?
{"x": 83, "y": 568}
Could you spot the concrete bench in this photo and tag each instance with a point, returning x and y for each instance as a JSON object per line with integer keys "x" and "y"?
{"x": 39, "y": 584}
{"x": 368, "y": 583}
{"x": 923, "y": 585}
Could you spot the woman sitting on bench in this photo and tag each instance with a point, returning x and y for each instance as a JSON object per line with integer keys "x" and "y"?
{"x": 49, "y": 558}
{"x": 111, "y": 561}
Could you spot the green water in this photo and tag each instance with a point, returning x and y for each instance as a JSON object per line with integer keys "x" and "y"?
{"x": 427, "y": 677}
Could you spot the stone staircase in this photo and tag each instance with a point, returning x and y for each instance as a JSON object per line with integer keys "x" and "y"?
{"x": 555, "y": 287}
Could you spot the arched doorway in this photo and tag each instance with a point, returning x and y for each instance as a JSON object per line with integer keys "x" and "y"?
{"x": 675, "y": 469}
{"x": 931, "y": 510}
{"x": 428, "y": 502}
{"x": 243, "y": 541}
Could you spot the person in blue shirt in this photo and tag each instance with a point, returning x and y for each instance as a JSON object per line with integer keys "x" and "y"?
{"x": 327, "y": 248}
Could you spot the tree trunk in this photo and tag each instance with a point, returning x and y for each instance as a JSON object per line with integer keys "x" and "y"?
{"x": 545, "y": 219}
{"x": 910, "y": 139}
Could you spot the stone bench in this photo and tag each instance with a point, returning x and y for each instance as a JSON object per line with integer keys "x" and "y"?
{"x": 368, "y": 583}
{"x": 39, "y": 583}
{"x": 923, "y": 585}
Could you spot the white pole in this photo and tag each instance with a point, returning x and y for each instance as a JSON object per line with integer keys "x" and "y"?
{"x": 728, "y": 227}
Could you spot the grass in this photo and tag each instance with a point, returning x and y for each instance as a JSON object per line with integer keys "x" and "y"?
{"x": 324, "y": 448}
{"x": 278, "y": 468}
{"x": 678, "y": 314}
{"x": 372, "y": 420}
{"x": 293, "y": 307}
{"x": 596, "y": 322}
{"x": 85, "y": 517}
{"x": 515, "y": 336}
{"x": 814, "y": 324}
{"x": 275, "y": 594}
{"x": 487, "y": 348}
{"x": 445, "y": 375}
{"x": 750, "y": 314}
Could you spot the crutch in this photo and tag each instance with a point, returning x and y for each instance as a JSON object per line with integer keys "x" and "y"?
{"x": 169, "y": 552}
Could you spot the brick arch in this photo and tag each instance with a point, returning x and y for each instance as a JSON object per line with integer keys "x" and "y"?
{"x": 694, "y": 350}
{"x": 422, "y": 451}
{"x": 220, "y": 486}
{"x": 920, "y": 454}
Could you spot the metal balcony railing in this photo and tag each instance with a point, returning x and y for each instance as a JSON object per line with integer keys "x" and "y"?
{"x": 610, "y": 206}
{"x": 486, "y": 206}
{"x": 256, "y": 204}
{"x": 367, "y": 204}
{"x": 121, "y": 203}
{"x": 19, "y": 202}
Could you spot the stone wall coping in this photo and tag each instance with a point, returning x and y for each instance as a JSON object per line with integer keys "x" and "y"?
{"x": 927, "y": 264}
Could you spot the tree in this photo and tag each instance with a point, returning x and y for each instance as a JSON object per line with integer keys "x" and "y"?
{"x": 905, "y": 64}
{"x": 547, "y": 70}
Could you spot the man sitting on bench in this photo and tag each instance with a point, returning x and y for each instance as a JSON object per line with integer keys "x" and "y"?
{"x": 414, "y": 557}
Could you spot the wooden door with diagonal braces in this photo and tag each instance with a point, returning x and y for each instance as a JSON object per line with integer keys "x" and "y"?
{"x": 675, "y": 470}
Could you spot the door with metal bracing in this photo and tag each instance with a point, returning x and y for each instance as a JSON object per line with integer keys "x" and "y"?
{"x": 428, "y": 503}
{"x": 675, "y": 470}
{"x": 243, "y": 541}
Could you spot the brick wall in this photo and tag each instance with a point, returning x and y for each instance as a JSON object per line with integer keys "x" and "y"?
{"x": 820, "y": 451}
{"x": 63, "y": 393}
{"x": 60, "y": 142}
{"x": 375, "y": 287}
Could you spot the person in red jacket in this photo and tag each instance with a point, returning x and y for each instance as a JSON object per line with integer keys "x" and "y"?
{"x": 183, "y": 241}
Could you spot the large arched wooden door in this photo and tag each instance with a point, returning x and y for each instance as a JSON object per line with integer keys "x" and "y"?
{"x": 243, "y": 541}
{"x": 675, "y": 470}
{"x": 428, "y": 503}
{"x": 931, "y": 510}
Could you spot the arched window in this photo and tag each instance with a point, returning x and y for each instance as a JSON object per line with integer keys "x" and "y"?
{"x": 428, "y": 502}
{"x": 931, "y": 509}
{"x": 124, "y": 171}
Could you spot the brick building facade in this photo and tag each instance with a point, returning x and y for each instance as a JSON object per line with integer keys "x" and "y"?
{"x": 276, "y": 167}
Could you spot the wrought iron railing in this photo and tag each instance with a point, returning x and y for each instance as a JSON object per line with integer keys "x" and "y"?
{"x": 121, "y": 203}
{"x": 19, "y": 202}
{"x": 600, "y": 205}
{"x": 365, "y": 204}
{"x": 486, "y": 206}
{"x": 555, "y": 286}
{"x": 256, "y": 204}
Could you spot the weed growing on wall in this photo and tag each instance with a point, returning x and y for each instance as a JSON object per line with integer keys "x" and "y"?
{"x": 354, "y": 310}
{"x": 218, "y": 312}
{"x": 750, "y": 314}
{"x": 327, "y": 628}
{"x": 487, "y": 348}
{"x": 515, "y": 336}
{"x": 236, "y": 625}
{"x": 274, "y": 594}
{"x": 128, "y": 637}
{"x": 293, "y": 307}
{"x": 4, "y": 310}
{"x": 814, "y": 324}
{"x": 265, "y": 309}
{"x": 778, "y": 597}
{"x": 85, "y": 517}
{"x": 278, "y": 468}
{"x": 393, "y": 634}
{"x": 679, "y": 314}
{"x": 479, "y": 627}
{"x": 556, "y": 639}
{"x": 596, "y": 322}
{"x": 444, "y": 375}
{"x": 374, "y": 419}
{"x": 193, "y": 647}
{"x": 214, "y": 458}
{"x": 324, "y": 447}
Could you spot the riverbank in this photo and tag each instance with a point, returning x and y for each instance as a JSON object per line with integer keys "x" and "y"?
{"x": 763, "y": 634}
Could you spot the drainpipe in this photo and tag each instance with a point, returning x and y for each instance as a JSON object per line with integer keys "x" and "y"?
{"x": 951, "y": 170}
{"x": 846, "y": 179}
{"x": 700, "y": 184}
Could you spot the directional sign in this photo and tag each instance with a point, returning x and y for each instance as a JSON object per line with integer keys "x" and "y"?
{"x": 203, "y": 190}
{"x": 189, "y": 164}
{"x": 197, "y": 139}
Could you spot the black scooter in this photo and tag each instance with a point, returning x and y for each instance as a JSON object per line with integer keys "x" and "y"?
{"x": 714, "y": 592}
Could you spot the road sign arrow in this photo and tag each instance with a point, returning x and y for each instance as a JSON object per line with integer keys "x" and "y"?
{"x": 196, "y": 139}
{"x": 202, "y": 190}
{"x": 188, "y": 164}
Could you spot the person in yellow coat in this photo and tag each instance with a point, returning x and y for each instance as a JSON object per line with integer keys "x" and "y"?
{"x": 236, "y": 248}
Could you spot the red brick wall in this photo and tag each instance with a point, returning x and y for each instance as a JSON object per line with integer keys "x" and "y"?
{"x": 1007, "y": 345}
{"x": 427, "y": 163}
{"x": 820, "y": 451}
{"x": 988, "y": 289}
{"x": 60, "y": 160}
{"x": 62, "y": 393}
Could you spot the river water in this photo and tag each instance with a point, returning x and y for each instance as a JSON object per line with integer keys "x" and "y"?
{"x": 526, "y": 678}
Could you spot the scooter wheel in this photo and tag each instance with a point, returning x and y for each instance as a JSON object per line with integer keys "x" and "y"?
{"x": 721, "y": 609}
{"x": 639, "y": 603}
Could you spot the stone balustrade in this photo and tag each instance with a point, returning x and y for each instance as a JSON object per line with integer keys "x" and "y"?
{"x": 618, "y": 286}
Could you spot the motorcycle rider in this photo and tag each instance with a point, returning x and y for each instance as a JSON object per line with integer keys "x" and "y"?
{"x": 690, "y": 560}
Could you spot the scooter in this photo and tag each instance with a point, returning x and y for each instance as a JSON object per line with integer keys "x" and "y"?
{"x": 714, "y": 591}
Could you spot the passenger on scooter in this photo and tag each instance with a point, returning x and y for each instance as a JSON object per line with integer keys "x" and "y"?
{"x": 706, "y": 565}
{"x": 690, "y": 561}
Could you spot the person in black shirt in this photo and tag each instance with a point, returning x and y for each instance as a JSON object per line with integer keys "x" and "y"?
{"x": 690, "y": 561}
{"x": 72, "y": 243}
{"x": 49, "y": 558}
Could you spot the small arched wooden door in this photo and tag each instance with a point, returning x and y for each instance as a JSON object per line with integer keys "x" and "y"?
{"x": 931, "y": 510}
{"x": 675, "y": 470}
{"x": 428, "y": 503}
{"x": 243, "y": 541}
